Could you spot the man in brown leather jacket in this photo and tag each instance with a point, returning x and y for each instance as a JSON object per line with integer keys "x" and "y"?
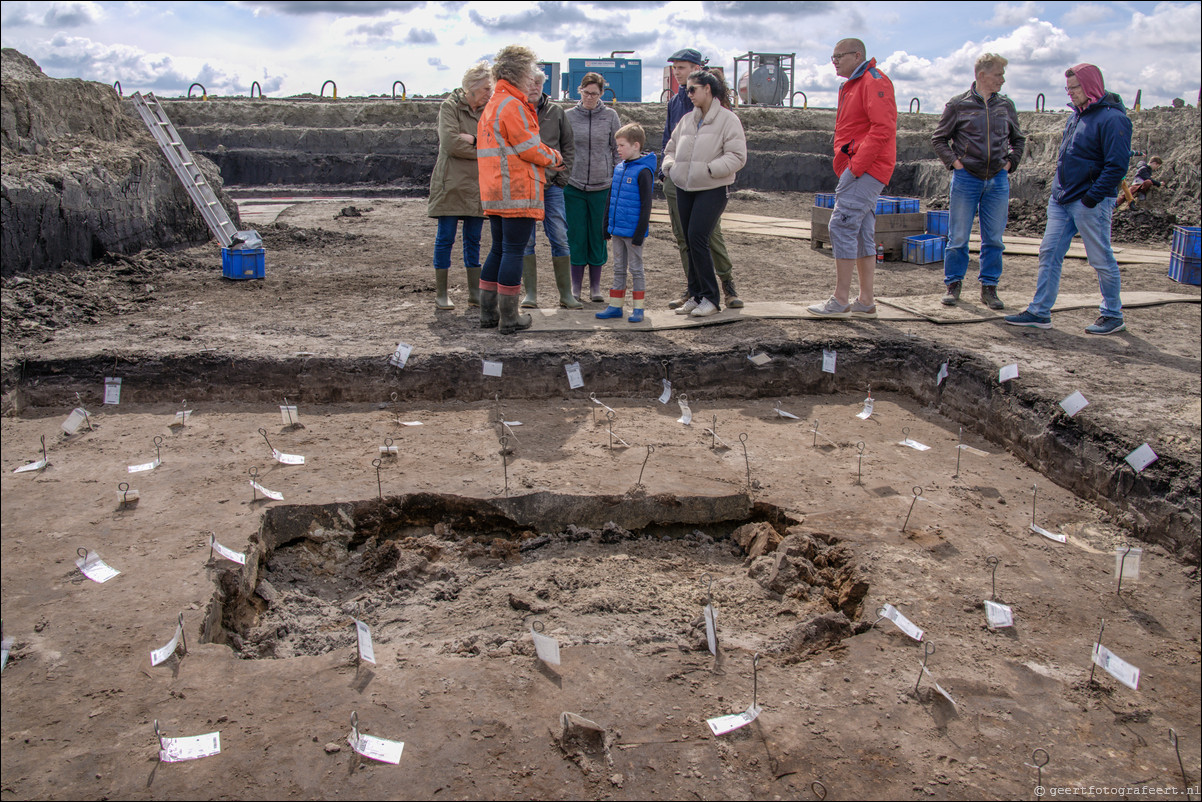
{"x": 979, "y": 139}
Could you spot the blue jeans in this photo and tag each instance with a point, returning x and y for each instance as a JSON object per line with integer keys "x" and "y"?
{"x": 509, "y": 238}
{"x": 555, "y": 222}
{"x": 1065, "y": 220}
{"x": 970, "y": 197}
{"x": 444, "y": 239}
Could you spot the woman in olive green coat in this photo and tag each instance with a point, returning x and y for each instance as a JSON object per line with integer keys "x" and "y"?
{"x": 455, "y": 183}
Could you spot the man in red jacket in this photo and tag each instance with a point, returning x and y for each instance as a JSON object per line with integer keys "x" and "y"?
{"x": 865, "y": 154}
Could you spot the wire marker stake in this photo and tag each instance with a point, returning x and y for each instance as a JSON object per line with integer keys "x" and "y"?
{"x": 960, "y": 451}
{"x": 1176, "y": 745}
{"x": 928, "y": 649}
{"x": 993, "y": 561}
{"x": 860, "y": 462}
{"x": 376, "y": 463}
{"x": 917, "y": 491}
{"x": 1039, "y": 766}
{"x": 815, "y": 430}
{"x": 505, "y": 452}
{"x": 746, "y": 459}
{"x": 650, "y": 451}
{"x": 1122, "y": 564}
{"x": 126, "y": 501}
{"x": 818, "y": 790}
{"x": 1092, "y": 664}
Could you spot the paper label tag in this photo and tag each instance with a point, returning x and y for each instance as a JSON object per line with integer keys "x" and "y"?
{"x": 759, "y": 360}
{"x": 546, "y": 647}
{"x": 711, "y": 628}
{"x": 724, "y": 724}
{"x": 903, "y": 623}
{"x": 112, "y": 390}
{"x": 95, "y": 568}
{"x": 229, "y": 554}
{"x": 146, "y": 466}
{"x": 375, "y": 748}
{"x": 1141, "y": 457}
{"x": 287, "y": 459}
{"x": 1130, "y": 565}
{"x": 33, "y": 466}
{"x": 976, "y": 451}
{"x": 1116, "y": 666}
{"x": 1039, "y": 530}
{"x": 942, "y": 692}
{"x": 575, "y": 377}
{"x": 366, "y": 652}
{"x": 401, "y": 355}
{"x": 173, "y": 750}
{"x": 6, "y": 645}
{"x": 289, "y": 415}
{"x": 998, "y": 615}
{"x": 784, "y": 414}
{"x": 411, "y": 423}
{"x": 1074, "y": 403}
{"x": 159, "y": 655}
{"x": 269, "y": 493}
{"x": 914, "y": 444}
{"x": 389, "y": 451}
{"x": 828, "y": 361}
{"x": 941, "y": 375}
{"x": 666, "y": 395}
{"x": 866, "y": 412}
{"x": 182, "y": 416}
{"x": 492, "y": 368}
{"x": 1007, "y": 373}
{"x": 686, "y": 414}
{"x": 74, "y": 420}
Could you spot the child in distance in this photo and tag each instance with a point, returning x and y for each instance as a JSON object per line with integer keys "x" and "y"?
{"x": 628, "y": 217}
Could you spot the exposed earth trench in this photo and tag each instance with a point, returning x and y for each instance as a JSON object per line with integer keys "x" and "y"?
{"x": 612, "y": 534}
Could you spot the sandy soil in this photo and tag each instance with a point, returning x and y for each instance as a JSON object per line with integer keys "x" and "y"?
{"x": 456, "y": 678}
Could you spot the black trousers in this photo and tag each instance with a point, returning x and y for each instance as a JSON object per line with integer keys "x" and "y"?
{"x": 699, "y": 213}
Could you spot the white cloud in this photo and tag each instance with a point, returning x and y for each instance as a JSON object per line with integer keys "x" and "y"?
{"x": 53, "y": 15}
{"x": 1006, "y": 14}
{"x": 1086, "y": 14}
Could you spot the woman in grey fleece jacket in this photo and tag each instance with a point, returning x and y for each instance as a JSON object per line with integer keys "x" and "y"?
{"x": 587, "y": 193}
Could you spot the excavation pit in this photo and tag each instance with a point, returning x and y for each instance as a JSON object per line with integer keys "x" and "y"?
{"x": 461, "y": 576}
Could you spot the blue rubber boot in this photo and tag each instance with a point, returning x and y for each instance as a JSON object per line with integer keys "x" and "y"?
{"x": 636, "y": 316}
{"x": 610, "y": 312}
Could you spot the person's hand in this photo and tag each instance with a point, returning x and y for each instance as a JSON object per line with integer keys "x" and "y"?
{"x": 468, "y": 138}
{"x": 957, "y": 165}
{"x": 608, "y": 236}
{"x": 637, "y": 240}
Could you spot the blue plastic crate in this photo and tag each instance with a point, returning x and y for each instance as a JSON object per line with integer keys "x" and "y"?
{"x": 907, "y": 205}
{"x": 1187, "y": 242}
{"x": 923, "y": 249}
{"x": 937, "y": 222}
{"x": 243, "y": 264}
{"x": 825, "y": 200}
{"x": 886, "y": 205}
{"x": 1184, "y": 269}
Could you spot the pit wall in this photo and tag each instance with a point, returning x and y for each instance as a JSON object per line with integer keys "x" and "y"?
{"x": 371, "y": 143}
{"x": 1160, "y": 505}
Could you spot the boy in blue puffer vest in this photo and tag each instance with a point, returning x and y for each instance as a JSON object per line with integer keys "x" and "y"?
{"x": 627, "y": 218}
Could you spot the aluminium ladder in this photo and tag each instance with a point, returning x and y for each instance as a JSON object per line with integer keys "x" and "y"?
{"x": 180, "y": 159}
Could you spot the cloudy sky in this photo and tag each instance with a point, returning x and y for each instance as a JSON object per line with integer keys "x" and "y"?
{"x": 292, "y": 47}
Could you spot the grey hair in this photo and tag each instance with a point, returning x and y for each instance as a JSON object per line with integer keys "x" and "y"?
{"x": 476, "y": 74}
{"x": 513, "y": 63}
{"x": 990, "y": 62}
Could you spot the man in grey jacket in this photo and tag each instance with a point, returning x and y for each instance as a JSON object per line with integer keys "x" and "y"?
{"x": 979, "y": 139}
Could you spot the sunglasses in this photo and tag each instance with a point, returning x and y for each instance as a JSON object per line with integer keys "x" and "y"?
{"x": 692, "y": 90}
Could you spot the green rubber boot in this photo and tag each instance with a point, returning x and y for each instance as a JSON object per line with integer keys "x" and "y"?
{"x": 473, "y": 286}
{"x": 441, "y": 299}
{"x": 530, "y": 281}
{"x": 563, "y": 282}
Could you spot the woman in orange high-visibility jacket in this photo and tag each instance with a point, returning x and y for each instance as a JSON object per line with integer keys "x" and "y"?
{"x": 511, "y": 158}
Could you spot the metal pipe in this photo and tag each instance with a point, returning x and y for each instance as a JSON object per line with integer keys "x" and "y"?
{"x": 1040, "y": 102}
{"x": 403, "y": 92}
{"x": 323, "y": 89}
{"x": 805, "y": 101}
{"x": 253, "y": 86}
{"x": 117, "y": 86}
{"x": 204, "y": 95}
{"x": 914, "y": 101}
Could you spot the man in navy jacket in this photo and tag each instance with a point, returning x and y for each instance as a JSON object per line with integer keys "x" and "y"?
{"x": 1094, "y": 153}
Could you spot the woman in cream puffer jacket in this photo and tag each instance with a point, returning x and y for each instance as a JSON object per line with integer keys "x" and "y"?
{"x": 703, "y": 156}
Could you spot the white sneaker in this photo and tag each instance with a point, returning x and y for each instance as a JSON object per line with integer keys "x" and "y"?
{"x": 704, "y": 309}
{"x": 688, "y": 307}
{"x": 831, "y": 308}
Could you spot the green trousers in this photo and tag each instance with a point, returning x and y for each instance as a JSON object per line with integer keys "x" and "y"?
{"x": 586, "y": 225}
{"x": 722, "y": 265}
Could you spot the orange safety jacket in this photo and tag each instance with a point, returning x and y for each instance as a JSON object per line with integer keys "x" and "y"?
{"x": 511, "y": 155}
